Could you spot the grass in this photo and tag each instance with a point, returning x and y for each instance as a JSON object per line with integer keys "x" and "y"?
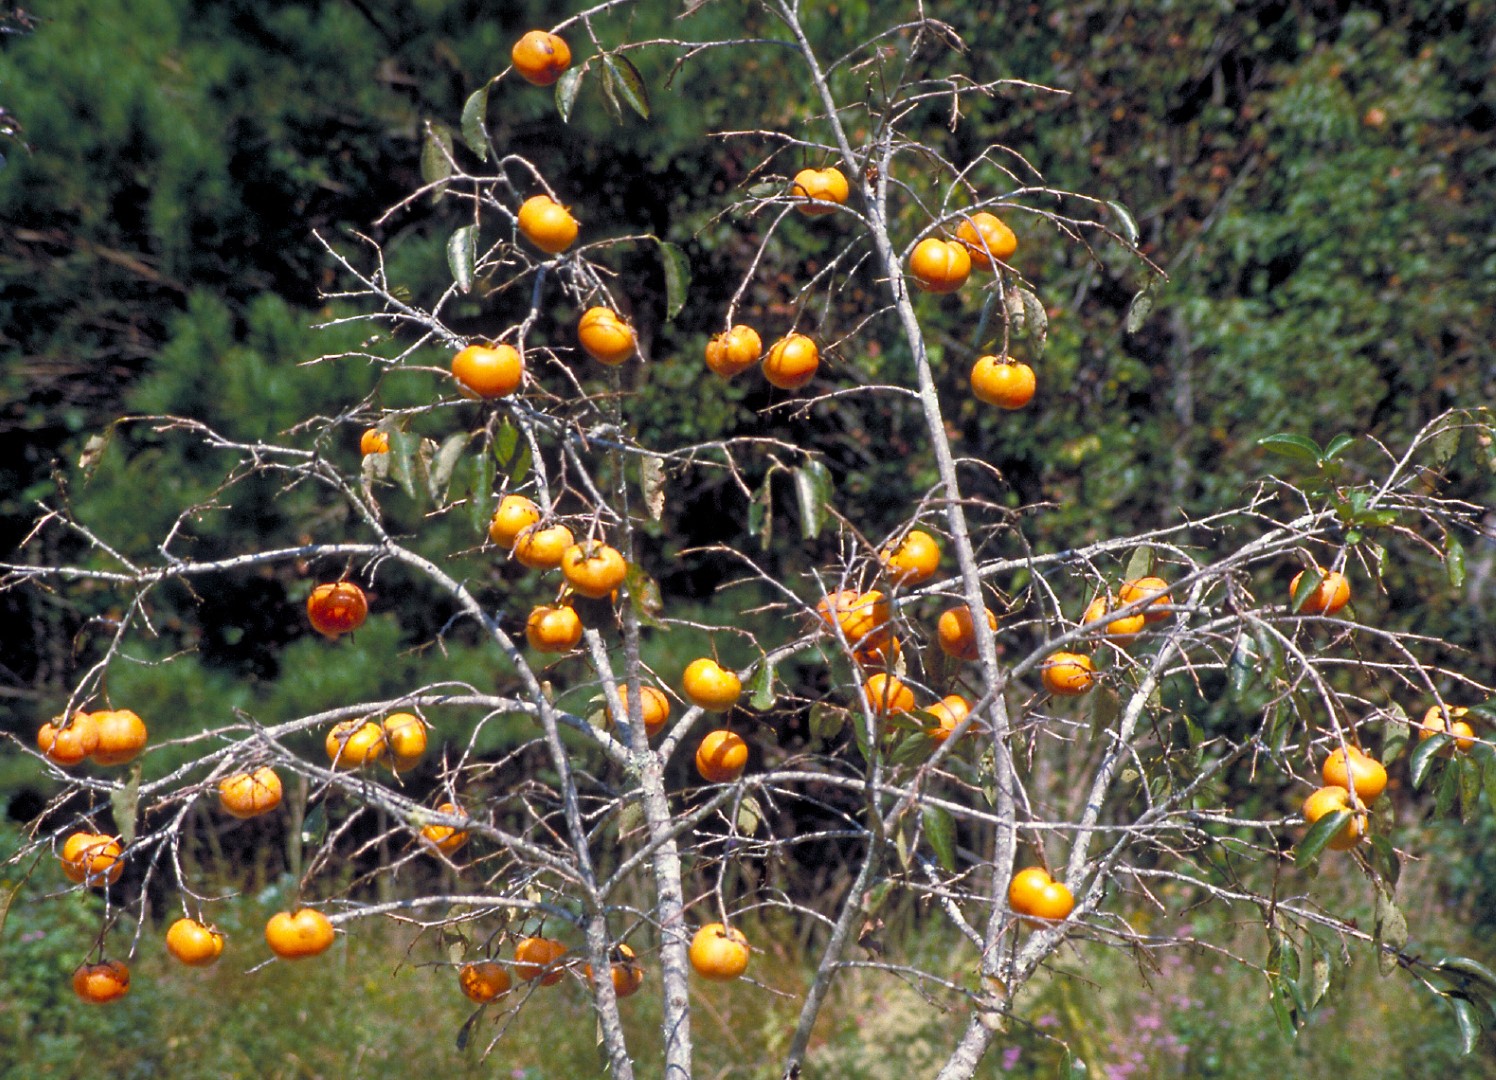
{"x": 384, "y": 1003}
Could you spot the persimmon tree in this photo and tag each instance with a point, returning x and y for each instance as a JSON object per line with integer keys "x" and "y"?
{"x": 1030, "y": 777}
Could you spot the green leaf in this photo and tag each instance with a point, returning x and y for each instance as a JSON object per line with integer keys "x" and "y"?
{"x": 462, "y": 253}
{"x": 1308, "y": 582}
{"x": 1319, "y": 835}
{"x": 750, "y": 815}
{"x": 443, "y": 464}
{"x": 1454, "y": 562}
{"x": 1338, "y": 445}
{"x": 940, "y": 828}
{"x": 567, "y": 88}
{"x": 677, "y": 277}
{"x": 474, "y": 112}
{"x": 1125, "y": 222}
{"x": 813, "y": 490}
{"x": 1242, "y": 668}
{"x": 859, "y": 732}
{"x": 481, "y": 475}
{"x": 1446, "y": 790}
{"x": 1424, "y": 755}
{"x": 644, "y": 595}
{"x": 761, "y": 515}
{"x": 1283, "y": 1012}
{"x": 436, "y": 153}
{"x": 1316, "y": 981}
{"x": 314, "y": 826}
{"x": 1464, "y": 968}
{"x": 761, "y": 686}
{"x": 1390, "y": 929}
{"x": 465, "y": 1033}
{"x": 628, "y": 82}
{"x": 512, "y": 454}
{"x": 1470, "y": 779}
{"x": 1384, "y": 859}
{"x": 404, "y": 448}
{"x": 1292, "y": 446}
{"x": 1139, "y": 310}
{"x": 125, "y": 802}
{"x": 1035, "y": 321}
{"x": 826, "y": 721}
{"x": 1469, "y": 1020}
{"x": 1139, "y": 563}
{"x": 1445, "y": 445}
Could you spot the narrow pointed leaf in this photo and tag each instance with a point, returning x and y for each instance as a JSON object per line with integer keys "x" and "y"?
{"x": 813, "y": 490}
{"x": 1139, "y": 310}
{"x": 436, "y": 153}
{"x": 750, "y": 816}
{"x": 1470, "y": 779}
{"x": 567, "y": 88}
{"x": 940, "y": 829}
{"x": 1454, "y": 562}
{"x": 443, "y": 464}
{"x": 628, "y": 82}
{"x": 677, "y": 277}
{"x": 1466, "y": 968}
{"x": 1319, "y": 835}
{"x": 1139, "y": 563}
{"x": 1292, "y": 446}
{"x": 481, "y": 475}
{"x": 1469, "y": 1020}
{"x": 1338, "y": 445}
{"x": 125, "y": 802}
{"x": 474, "y": 113}
{"x": 462, "y": 253}
{"x": 404, "y": 447}
{"x": 761, "y": 687}
{"x": 1126, "y": 224}
{"x": 1424, "y": 755}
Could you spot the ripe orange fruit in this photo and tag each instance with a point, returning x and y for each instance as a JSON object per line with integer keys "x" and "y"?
{"x": 1332, "y": 593}
{"x": 540, "y": 57}
{"x": 654, "y": 707}
{"x": 986, "y": 238}
{"x": 405, "y": 739}
{"x": 488, "y": 371}
{"x": 826, "y": 185}
{"x": 939, "y": 266}
{"x": 607, "y": 338}
{"x": 484, "y": 981}
{"x": 514, "y": 515}
{"x": 101, "y": 982}
{"x": 250, "y": 794}
{"x": 1066, "y": 674}
{"x": 445, "y": 838}
{"x": 880, "y": 649}
{"x": 193, "y": 943}
{"x": 337, "y": 608}
{"x": 373, "y": 441}
{"x": 1328, "y": 799}
{"x": 885, "y": 693}
{"x": 734, "y": 351}
{"x": 92, "y": 859}
{"x": 1142, "y": 588}
{"x": 593, "y": 569}
{"x": 541, "y": 548}
{"x": 547, "y": 224}
{"x": 553, "y": 629}
{"x": 957, "y": 634}
{"x": 792, "y": 361}
{"x": 1356, "y": 770}
{"x": 710, "y": 685}
{"x": 1120, "y": 630}
{"x": 719, "y": 953}
{"x": 537, "y": 958}
{"x": 625, "y": 971}
{"x": 122, "y": 736}
{"x": 1003, "y": 382}
{"x": 1034, "y": 893}
{"x": 69, "y": 744}
{"x": 913, "y": 560}
{"x": 355, "y": 743}
{"x": 948, "y": 712}
{"x": 858, "y": 614}
{"x": 1433, "y": 724}
{"x": 292, "y": 936}
{"x": 721, "y": 757}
